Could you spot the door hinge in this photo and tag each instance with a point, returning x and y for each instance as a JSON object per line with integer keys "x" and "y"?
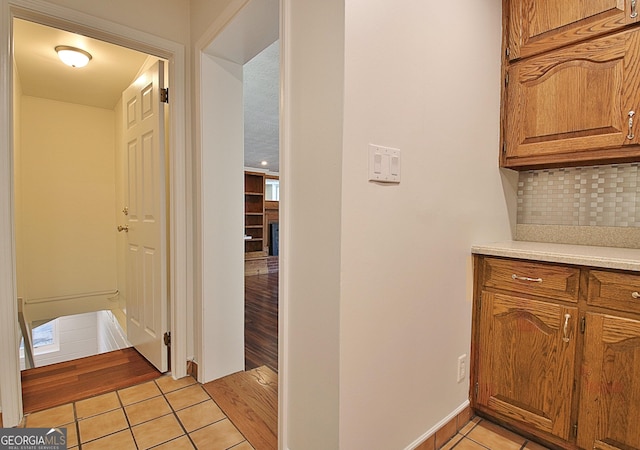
{"x": 476, "y": 390}
{"x": 164, "y": 95}
{"x": 507, "y": 52}
{"x": 583, "y": 325}
{"x": 506, "y": 79}
{"x": 575, "y": 429}
{"x": 504, "y": 148}
{"x": 167, "y": 338}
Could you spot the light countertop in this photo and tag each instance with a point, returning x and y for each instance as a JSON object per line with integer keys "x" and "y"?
{"x": 582, "y": 255}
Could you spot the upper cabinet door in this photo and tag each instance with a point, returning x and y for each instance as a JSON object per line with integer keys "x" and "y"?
{"x": 536, "y": 26}
{"x": 576, "y": 104}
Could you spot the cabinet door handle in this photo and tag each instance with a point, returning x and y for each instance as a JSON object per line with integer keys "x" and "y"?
{"x": 634, "y": 10}
{"x": 636, "y": 295}
{"x": 565, "y": 331}
{"x": 630, "y": 135}
{"x": 533, "y": 280}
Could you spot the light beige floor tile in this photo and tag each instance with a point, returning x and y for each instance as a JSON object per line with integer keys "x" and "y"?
{"x": 147, "y": 410}
{"x": 101, "y": 425}
{"x": 188, "y": 396}
{"x": 493, "y": 436}
{"x": 200, "y": 415}
{"x": 468, "y": 444}
{"x": 139, "y": 393}
{"x": 72, "y": 435}
{"x": 53, "y": 417}
{"x": 122, "y": 440}
{"x": 469, "y": 426}
{"x": 452, "y": 442}
{"x": 182, "y": 443}
{"x": 242, "y": 446}
{"x": 97, "y": 405}
{"x": 157, "y": 431}
{"x": 219, "y": 436}
{"x": 168, "y": 384}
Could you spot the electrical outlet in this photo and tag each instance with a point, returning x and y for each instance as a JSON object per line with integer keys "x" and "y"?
{"x": 462, "y": 367}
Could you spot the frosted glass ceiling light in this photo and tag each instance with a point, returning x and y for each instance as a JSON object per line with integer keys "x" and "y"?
{"x": 72, "y": 56}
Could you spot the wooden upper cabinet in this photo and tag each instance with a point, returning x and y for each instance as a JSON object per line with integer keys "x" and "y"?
{"x": 526, "y": 361}
{"x": 610, "y": 387}
{"x": 536, "y": 26}
{"x": 580, "y": 103}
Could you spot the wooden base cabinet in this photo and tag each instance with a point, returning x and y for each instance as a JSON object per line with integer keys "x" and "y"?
{"x": 556, "y": 352}
{"x": 525, "y": 368}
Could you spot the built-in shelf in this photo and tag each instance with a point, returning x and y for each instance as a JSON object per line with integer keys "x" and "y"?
{"x": 253, "y": 212}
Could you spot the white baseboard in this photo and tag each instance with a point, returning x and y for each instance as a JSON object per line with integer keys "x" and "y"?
{"x": 437, "y": 426}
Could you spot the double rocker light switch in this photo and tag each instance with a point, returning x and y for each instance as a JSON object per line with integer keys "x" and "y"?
{"x": 384, "y": 164}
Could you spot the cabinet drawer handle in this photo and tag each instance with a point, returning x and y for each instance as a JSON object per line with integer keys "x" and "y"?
{"x": 634, "y": 10}
{"x": 630, "y": 135}
{"x": 533, "y": 280}
{"x": 636, "y": 295}
{"x": 565, "y": 338}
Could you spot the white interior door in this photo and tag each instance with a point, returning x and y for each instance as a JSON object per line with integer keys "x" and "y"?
{"x": 146, "y": 256}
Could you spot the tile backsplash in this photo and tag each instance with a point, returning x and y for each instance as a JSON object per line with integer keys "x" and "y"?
{"x": 600, "y": 196}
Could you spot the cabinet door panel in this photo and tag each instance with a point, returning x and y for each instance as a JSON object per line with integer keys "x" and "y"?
{"x": 525, "y": 367}
{"x": 610, "y": 388}
{"x": 567, "y": 103}
{"x": 540, "y": 25}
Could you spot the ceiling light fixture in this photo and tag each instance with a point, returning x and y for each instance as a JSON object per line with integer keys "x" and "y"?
{"x": 72, "y": 56}
{"x": 264, "y": 163}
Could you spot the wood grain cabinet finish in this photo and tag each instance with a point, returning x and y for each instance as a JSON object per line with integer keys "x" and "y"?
{"x": 526, "y": 277}
{"x": 536, "y": 26}
{"x": 562, "y": 364}
{"x": 614, "y": 290}
{"x": 610, "y": 386}
{"x": 525, "y": 368}
{"x": 575, "y": 104}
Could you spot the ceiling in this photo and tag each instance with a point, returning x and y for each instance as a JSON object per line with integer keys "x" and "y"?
{"x": 113, "y": 68}
{"x": 261, "y": 109}
{"x": 100, "y": 84}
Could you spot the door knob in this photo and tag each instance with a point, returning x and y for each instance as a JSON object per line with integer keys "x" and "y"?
{"x": 124, "y": 228}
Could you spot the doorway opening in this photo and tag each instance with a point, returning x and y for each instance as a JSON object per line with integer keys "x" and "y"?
{"x": 228, "y": 228}
{"x": 70, "y": 193}
{"x": 261, "y": 95}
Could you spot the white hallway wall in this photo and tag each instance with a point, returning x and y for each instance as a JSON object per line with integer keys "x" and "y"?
{"x": 374, "y": 345}
{"x": 426, "y": 81}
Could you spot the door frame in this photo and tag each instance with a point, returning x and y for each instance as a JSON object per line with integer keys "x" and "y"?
{"x": 179, "y": 180}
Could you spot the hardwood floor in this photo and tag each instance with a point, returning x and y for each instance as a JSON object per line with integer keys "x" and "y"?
{"x": 250, "y": 400}
{"x": 57, "y": 384}
{"x": 261, "y": 321}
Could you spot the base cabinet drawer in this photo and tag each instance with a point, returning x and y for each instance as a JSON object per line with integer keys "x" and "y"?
{"x": 544, "y": 280}
{"x": 619, "y": 291}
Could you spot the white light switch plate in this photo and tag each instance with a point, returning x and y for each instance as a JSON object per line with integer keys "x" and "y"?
{"x": 384, "y": 164}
